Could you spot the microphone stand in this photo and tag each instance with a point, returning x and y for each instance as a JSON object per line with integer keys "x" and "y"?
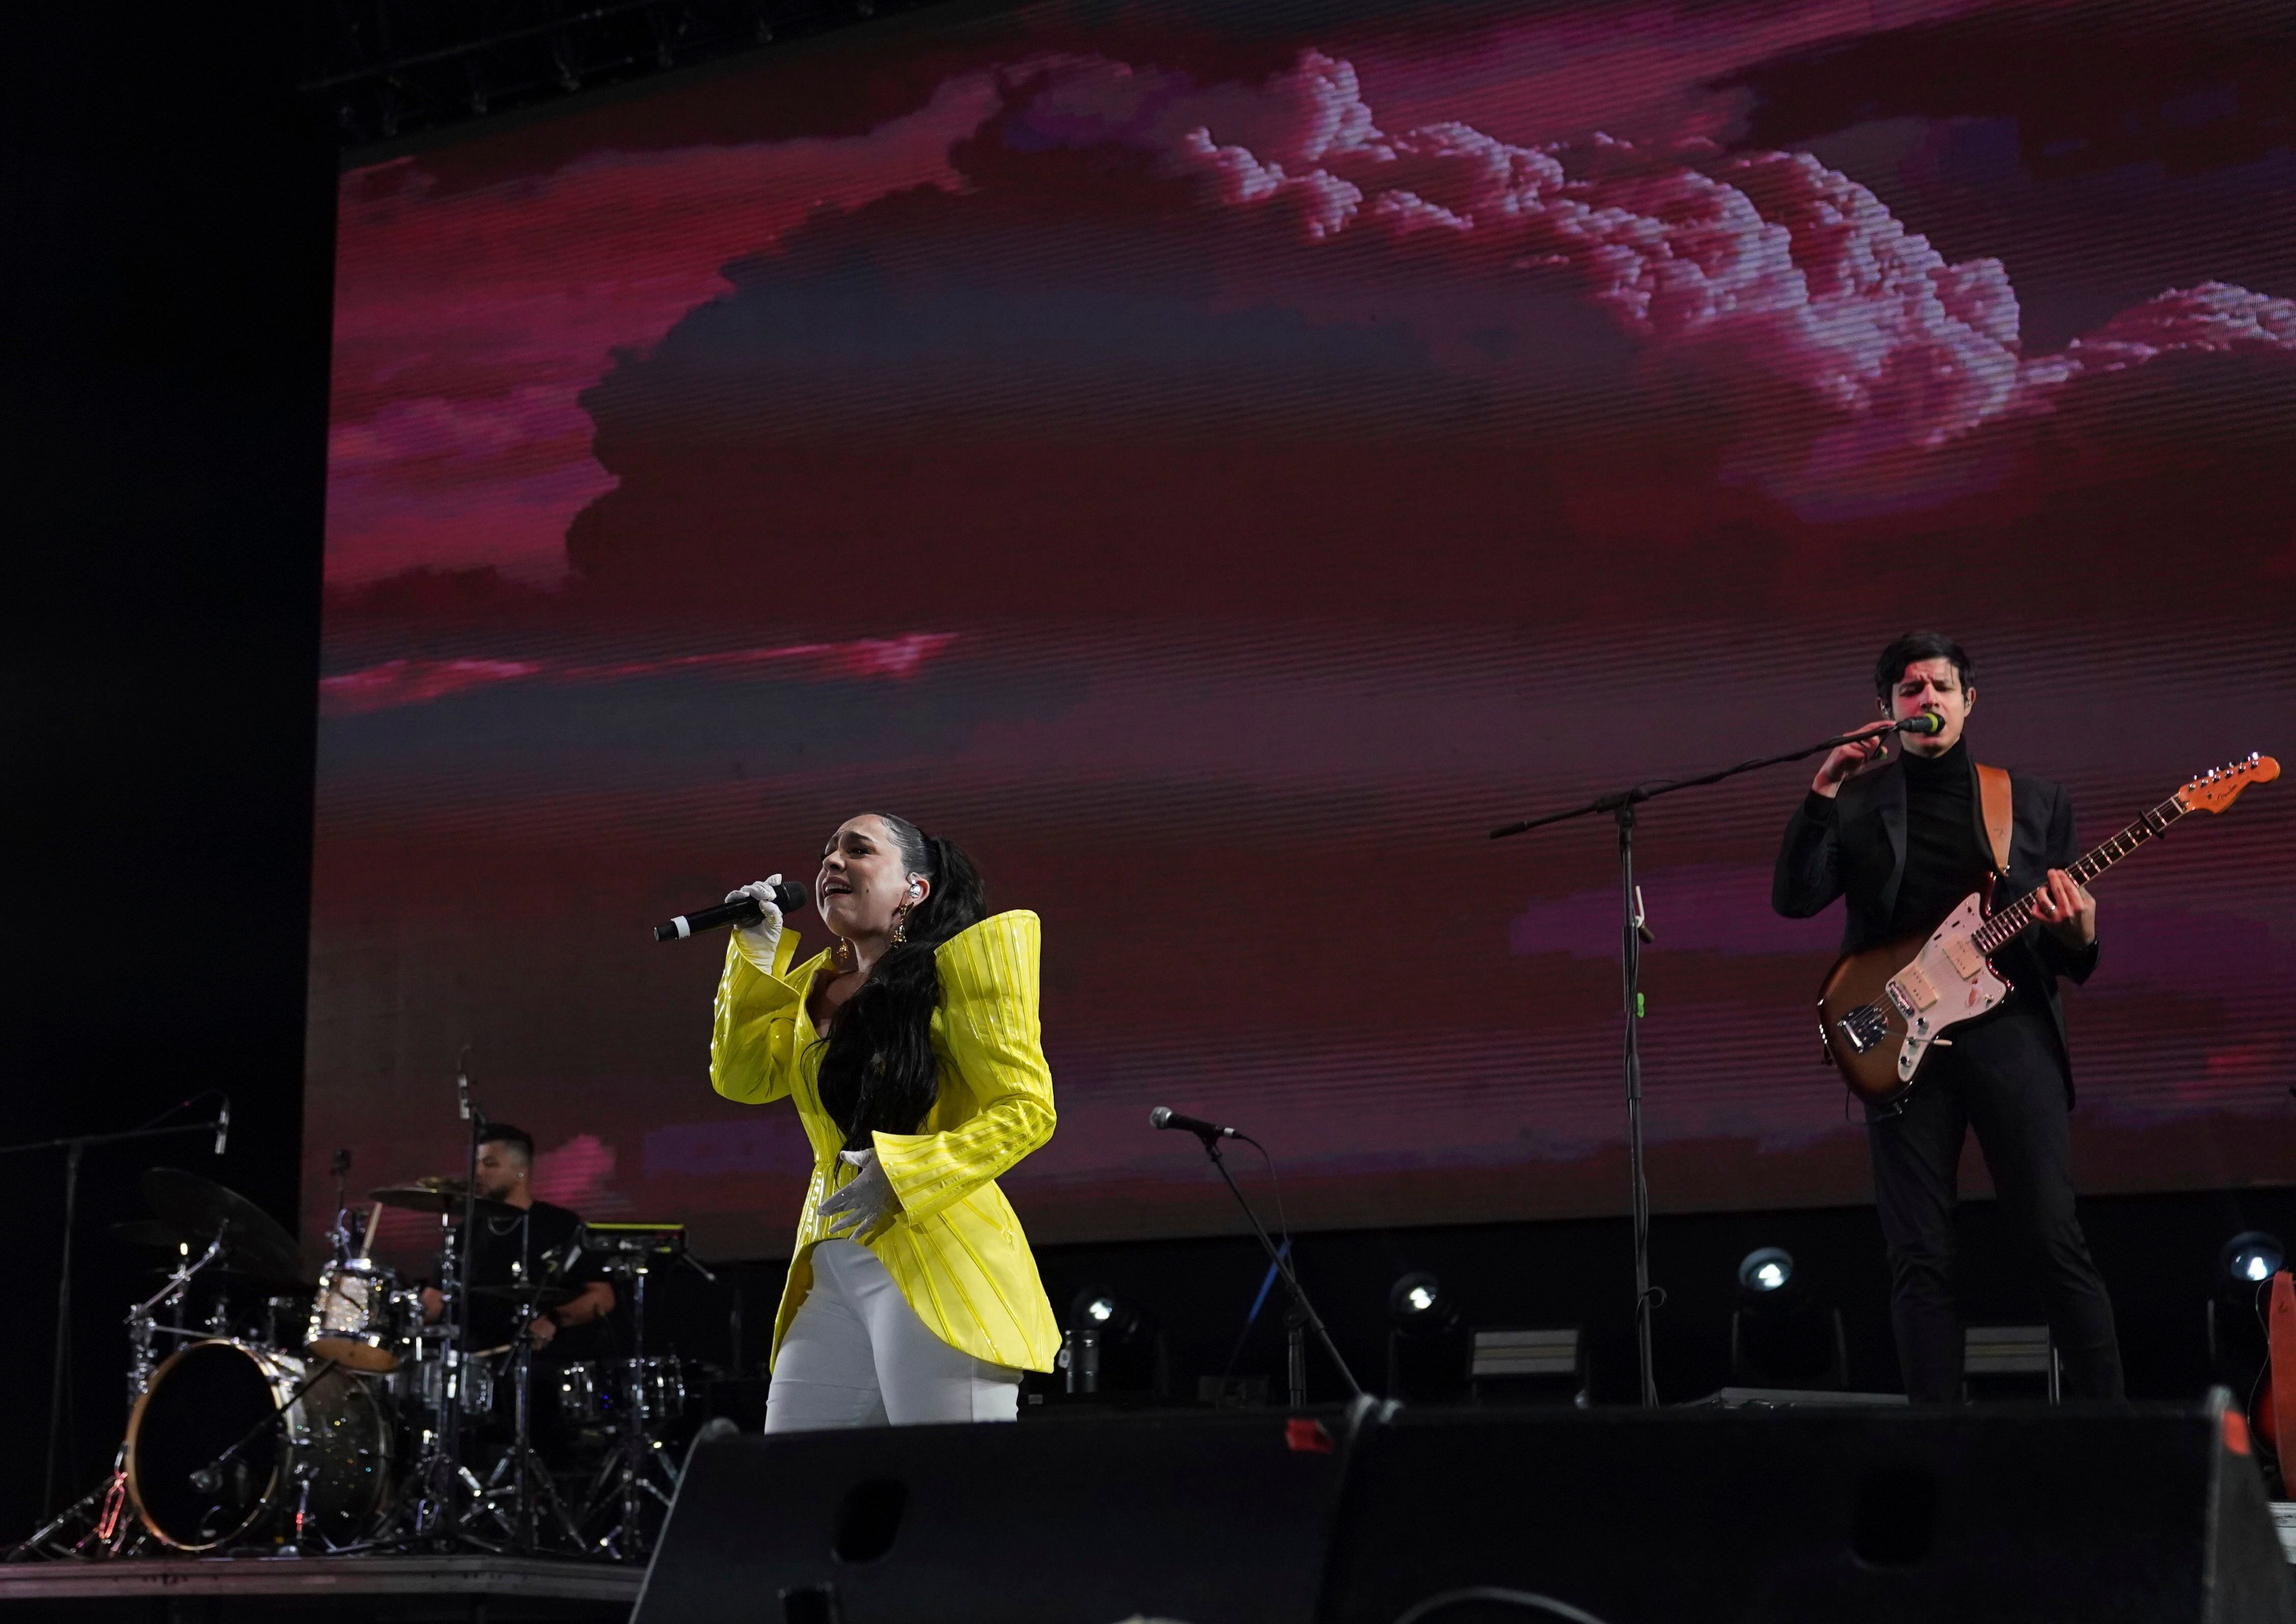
{"x": 465, "y": 1244}
{"x": 1300, "y": 1313}
{"x": 1620, "y": 805}
{"x": 75, "y": 1147}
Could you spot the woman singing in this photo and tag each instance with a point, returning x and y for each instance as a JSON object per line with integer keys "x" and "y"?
{"x": 911, "y": 1049}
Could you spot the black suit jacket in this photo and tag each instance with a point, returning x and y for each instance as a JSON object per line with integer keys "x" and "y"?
{"x": 1854, "y": 847}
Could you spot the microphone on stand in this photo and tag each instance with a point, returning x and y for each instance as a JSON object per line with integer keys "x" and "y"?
{"x": 223, "y": 1125}
{"x": 1928, "y": 724}
{"x": 1166, "y": 1119}
{"x": 788, "y": 896}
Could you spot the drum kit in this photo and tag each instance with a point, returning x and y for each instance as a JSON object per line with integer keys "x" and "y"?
{"x": 351, "y": 1414}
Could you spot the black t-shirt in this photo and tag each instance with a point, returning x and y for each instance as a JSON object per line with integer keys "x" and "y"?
{"x": 1943, "y": 861}
{"x": 543, "y": 1243}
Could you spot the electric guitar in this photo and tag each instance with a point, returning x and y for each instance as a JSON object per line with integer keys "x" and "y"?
{"x": 1881, "y": 1010}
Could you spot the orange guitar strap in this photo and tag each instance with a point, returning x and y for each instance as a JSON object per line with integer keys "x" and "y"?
{"x": 1993, "y": 791}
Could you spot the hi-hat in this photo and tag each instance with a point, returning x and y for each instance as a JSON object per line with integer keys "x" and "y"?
{"x": 438, "y": 1196}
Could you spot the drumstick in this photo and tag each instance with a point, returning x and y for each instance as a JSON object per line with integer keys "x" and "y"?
{"x": 373, "y": 1217}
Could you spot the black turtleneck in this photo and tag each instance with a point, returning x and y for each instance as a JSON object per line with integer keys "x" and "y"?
{"x": 1943, "y": 860}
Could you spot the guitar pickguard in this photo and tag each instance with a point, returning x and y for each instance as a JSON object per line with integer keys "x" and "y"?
{"x": 1948, "y": 982}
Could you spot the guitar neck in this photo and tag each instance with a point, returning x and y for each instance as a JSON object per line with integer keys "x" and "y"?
{"x": 2002, "y": 927}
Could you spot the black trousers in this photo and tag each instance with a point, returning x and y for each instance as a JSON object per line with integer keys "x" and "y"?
{"x": 2003, "y": 1078}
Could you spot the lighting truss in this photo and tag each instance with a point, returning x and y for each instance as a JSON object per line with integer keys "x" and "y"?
{"x": 382, "y": 70}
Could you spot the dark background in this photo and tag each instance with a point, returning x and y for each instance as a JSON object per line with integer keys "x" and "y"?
{"x": 169, "y": 243}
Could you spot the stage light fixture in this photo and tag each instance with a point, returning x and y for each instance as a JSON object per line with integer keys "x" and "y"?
{"x": 1100, "y": 1309}
{"x": 1767, "y": 1273}
{"x": 1779, "y": 1339}
{"x": 1112, "y": 1345}
{"x": 2251, "y": 1257}
{"x": 1426, "y": 1344}
{"x": 1416, "y": 1301}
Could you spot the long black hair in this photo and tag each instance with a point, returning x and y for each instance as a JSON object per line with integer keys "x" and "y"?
{"x": 878, "y": 1074}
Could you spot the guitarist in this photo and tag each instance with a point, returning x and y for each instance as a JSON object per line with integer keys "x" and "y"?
{"x": 1903, "y": 838}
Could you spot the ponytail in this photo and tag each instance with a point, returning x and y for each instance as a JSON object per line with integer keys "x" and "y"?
{"x": 878, "y": 1073}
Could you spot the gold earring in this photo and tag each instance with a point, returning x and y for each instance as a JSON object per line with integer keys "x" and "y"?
{"x": 900, "y": 927}
{"x": 840, "y": 957}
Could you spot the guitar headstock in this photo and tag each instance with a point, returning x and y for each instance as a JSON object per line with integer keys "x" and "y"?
{"x": 2217, "y": 788}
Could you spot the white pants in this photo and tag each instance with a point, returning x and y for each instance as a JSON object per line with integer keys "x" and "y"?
{"x": 857, "y": 1355}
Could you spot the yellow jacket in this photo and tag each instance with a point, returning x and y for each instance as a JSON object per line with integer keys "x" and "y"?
{"x": 955, "y": 1248}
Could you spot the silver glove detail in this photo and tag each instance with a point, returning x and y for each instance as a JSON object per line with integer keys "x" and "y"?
{"x": 863, "y": 1205}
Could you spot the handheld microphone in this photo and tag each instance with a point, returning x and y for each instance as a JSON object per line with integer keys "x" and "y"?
{"x": 1164, "y": 1117}
{"x": 223, "y": 1125}
{"x": 1928, "y": 724}
{"x": 788, "y": 896}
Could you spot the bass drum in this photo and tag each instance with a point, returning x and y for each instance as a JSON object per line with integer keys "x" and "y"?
{"x": 204, "y": 1399}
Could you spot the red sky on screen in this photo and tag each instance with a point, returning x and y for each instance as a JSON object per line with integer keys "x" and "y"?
{"x": 1846, "y": 351}
{"x": 1217, "y": 469}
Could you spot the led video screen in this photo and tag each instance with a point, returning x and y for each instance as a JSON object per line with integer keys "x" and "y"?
{"x": 1215, "y": 461}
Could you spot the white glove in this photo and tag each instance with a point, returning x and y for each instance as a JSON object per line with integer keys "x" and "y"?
{"x": 866, "y": 1203}
{"x": 757, "y": 943}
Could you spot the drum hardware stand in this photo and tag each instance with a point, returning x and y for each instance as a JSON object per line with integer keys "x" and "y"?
{"x": 530, "y": 1485}
{"x": 142, "y": 1328}
{"x": 75, "y": 1147}
{"x": 630, "y": 1470}
{"x": 438, "y": 1514}
{"x": 306, "y": 1472}
{"x": 1620, "y": 806}
{"x": 446, "y": 1475}
{"x": 107, "y": 1528}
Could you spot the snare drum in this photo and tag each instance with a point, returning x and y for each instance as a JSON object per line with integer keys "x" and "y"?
{"x": 355, "y": 1319}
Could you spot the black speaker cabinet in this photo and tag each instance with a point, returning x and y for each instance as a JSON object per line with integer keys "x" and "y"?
{"x": 1456, "y": 1516}
{"x": 1213, "y": 1518}
{"x": 1658, "y": 1517}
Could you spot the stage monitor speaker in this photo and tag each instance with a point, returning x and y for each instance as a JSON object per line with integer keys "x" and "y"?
{"x": 1876, "y": 1515}
{"x": 1213, "y": 1517}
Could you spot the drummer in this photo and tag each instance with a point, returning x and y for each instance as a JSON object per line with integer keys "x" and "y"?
{"x": 540, "y": 1237}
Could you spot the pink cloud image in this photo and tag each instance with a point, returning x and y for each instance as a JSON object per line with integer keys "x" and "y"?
{"x": 1842, "y": 344}
{"x": 464, "y": 330}
{"x": 414, "y": 682}
{"x": 1835, "y": 351}
{"x": 1212, "y": 463}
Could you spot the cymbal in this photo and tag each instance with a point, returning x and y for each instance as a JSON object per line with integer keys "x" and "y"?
{"x": 253, "y": 1243}
{"x": 149, "y": 1232}
{"x": 440, "y": 1195}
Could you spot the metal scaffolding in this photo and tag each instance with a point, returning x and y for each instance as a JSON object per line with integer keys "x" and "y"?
{"x": 385, "y": 70}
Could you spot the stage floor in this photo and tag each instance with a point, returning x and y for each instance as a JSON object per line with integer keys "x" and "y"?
{"x": 342, "y": 1590}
